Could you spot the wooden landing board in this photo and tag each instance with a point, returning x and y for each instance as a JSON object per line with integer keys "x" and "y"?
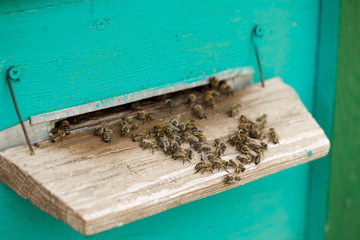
{"x": 94, "y": 186}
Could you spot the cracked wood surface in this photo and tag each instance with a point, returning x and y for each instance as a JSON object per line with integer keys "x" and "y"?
{"x": 94, "y": 186}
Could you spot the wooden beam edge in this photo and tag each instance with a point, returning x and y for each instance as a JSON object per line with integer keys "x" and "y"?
{"x": 214, "y": 186}
{"x": 25, "y": 183}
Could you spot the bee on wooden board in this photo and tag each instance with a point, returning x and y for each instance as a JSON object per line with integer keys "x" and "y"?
{"x": 261, "y": 122}
{"x": 214, "y": 82}
{"x": 175, "y": 122}
{"x": 191, "y": 99}
{"x": 65, "y": 125}
{"x": 99, "y": 130}
{"x": 226, "y": 90}
{"x": 181, "y": 126}
{"x": 147, "y": 144}
{"x": 219, "y": 163}
{"x": 107, "y": 135}
{"x": 238, "y": 166}
{"x": 59, "y": 135}
{"x": 125, "y": 129}
{"x": 230, "y": 179}
{"x": 183, "y": 155}
{"x": 244, "y": 159}
{"x": 213, "y": 93}
{"x": 199, "y": 112}
{"x": 145, "y": 116}
{"x": 210, "y": 101}
{"x": 169, "y": 103}
{"x": 140, "y": 136}
{"x": 244, "y": 119}
{"x": 220, "y": 146}
{"x": 273, "y": 136}
{"x": 233, "y": 110}
{"x": 191, "y": 125}
{"x": 204, "y": 166}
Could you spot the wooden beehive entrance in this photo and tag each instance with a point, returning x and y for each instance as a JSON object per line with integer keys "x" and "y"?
{"x": 94, "y": 186}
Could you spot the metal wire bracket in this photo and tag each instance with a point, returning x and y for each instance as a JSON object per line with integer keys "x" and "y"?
{"x": 258, "y": 32}
{"x": 13, "y": 73}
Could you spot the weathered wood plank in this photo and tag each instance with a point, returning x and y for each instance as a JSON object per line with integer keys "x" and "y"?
{"x": 94, "y": 186}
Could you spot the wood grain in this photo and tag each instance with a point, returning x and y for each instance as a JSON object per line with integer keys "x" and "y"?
{"x": 94, "y": 186}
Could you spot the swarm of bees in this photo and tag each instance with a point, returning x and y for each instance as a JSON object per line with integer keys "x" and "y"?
{"x": 170, "y": 136}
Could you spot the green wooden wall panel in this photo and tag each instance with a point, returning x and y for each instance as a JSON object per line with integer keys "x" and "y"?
{"x": 66, "y": 61}
{"x": 324, "y": 100}
{"x": 344, "y": 198}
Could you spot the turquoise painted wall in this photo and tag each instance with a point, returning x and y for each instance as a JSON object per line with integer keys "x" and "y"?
{"x": 67, "y": 60}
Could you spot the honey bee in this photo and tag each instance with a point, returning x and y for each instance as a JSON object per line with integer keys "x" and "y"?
{"x": 191, "y": 99}
{"x": 140, "y": 136}
{"x": 192, "y": 140}
{"x": 146, "y": 144}
{"x": 134, "y": 125}
{"x": 209, "y": 101}
{"x": 128, "y": 120}
{"x": 247, "y": 126}
{"x": 204, "y": 166}
{"x": 206, "y": 148}
{"x": 184, "y": 155}
{"x": 198, "y": 146}
{"x": 255, "y": 133}
{"x": 246, "y": 150}
{"x": 159, "y": 130}
{"x": 125, "y": 130}
{"x": 244, "y": 119}
{"x": 99, "y": 130}
{"x": 107, "y": 135}
{"x": 145, "y": 116}
{"x": 59, "y": 135}
{"x": 199, "y": 112}
{"x": 244, "y": 159}
{"x": 169, "y": 103}
{"x": 230, "y": 178}
{"x": 200, "y": 136}
{"x": 191, "y": 125}
{"x": 161, "y": 142}
{"x": 214, "y": 81}
{"x": 175, "y": 146}
{"x": 219, "y": 163}
{"x": 233, "y": 110}
{"x": 238, "y": 166}
{"x": 220, "y": 146}
{"x": 213, "y": 93}
{"x": 65, "y": 125}
{"x": 261, "y": 122}
{"x": 257, "y": 144}
{"x": 181, "y": 126}
{"x": 226, "y": 90}
{"x": 257, "y": 159}
{"x": 188, "y": 153}
{"x": 175, "y": 121}
{"x": 167, "y": 149}
{"x": 273, "y": 136}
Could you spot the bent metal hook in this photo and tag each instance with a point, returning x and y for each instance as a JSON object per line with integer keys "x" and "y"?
{"x": 13, "y": 74}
